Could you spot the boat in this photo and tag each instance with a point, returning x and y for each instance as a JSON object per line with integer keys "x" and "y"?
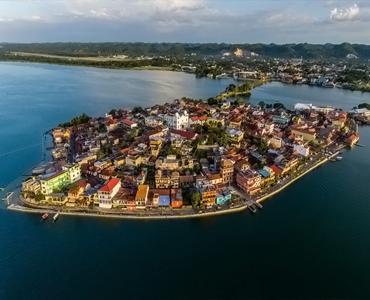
{"x": 252, "y": 208}
{"x": 56, "y": 216}
{"x": 333, "y": 159}
{"x": 45, "y": 216}
{"x": 259, "y": 205}
{"x": 339, "y": 158}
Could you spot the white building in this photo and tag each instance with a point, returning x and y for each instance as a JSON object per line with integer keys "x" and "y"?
{"x": 177, "y": 120}
{"x": 301, "y": 149}
{"x": 153, "y": 121}
{"x": 107, "y": 192}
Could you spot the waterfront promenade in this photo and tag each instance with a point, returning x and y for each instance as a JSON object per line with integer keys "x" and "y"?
{"x": 24, "y": 206}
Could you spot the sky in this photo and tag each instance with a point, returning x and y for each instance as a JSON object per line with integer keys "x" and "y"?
{"x": 186, "y": 21}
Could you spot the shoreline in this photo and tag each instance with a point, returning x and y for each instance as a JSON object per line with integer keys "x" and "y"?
{"x": 26, "y": 209}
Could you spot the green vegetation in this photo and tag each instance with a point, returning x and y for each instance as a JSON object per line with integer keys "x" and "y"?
{"x": 104, "y": 151}
{"x": 79, "y": 50}
{"x": 364, "y": 105}
{"x": 76, "y": 121}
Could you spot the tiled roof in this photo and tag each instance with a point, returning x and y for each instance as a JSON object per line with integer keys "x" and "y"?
{"x": 276, "y": 169}
{"x": 185, "y": 134}
{"x": 110, "y": 185}
{"x": 56, "y": 175}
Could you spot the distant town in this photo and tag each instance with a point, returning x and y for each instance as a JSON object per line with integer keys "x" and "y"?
{"x": 187, "y": 157}
{"x": 343, "y": 66}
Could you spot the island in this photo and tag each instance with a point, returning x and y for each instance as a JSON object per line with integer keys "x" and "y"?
{"x": 188, "y": 158}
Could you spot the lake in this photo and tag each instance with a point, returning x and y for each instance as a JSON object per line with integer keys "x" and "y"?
{"x": 309, "y": 241}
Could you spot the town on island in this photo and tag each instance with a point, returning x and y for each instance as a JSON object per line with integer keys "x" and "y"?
{"x": 184, "y": 159}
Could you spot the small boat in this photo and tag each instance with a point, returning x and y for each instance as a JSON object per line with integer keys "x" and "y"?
{"x": 252, "y": 208}
{"x": 56, "y": 216}
{"x": 45, "y": 216}
{"x": 333, "y": 159}
{"x": 259, "y": 205}
{"x": 341, "y": 151}
{"x": 339, "y": 158}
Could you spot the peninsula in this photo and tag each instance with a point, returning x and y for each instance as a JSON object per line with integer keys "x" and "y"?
{"x": 186, "y": 158}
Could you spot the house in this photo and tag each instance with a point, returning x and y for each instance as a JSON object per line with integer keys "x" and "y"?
{"x": 177, "y": 120}
{"x": 223, "y": 195}
{"x": 276, "y": 170}
{"x": 276, "y": 142}
{"x": 236, "y": 123}
{"x": 187, "y": 180}
{"x": 107, "y": 192}
{"x": 155, "y": 147}
{"x": 32, "y": 185}
{"x": 176, "y": 198}
{"x": 123, "y": 197}
{"x": 183, "y": 134}
{"x": 167, "y": 179}
{"x": 128, "y": 123}
{"x": 207, "y": 191}
{"x": 236, "y": 135}
{"x": 140, "y": 179}
{"x": 153, "y": 197}
{"x": 215, "y": 178}
{"x": 249, "y": 181}
{"x": 153, "y": 121}
{"x": 197, "y": 120}
{"x": 226, "y": 170}
{"x": 141, "y": 196}
{"x": 308, "y": 134}
{"x": 352, "y": 140}
{"x": 170, "y": 162}
{"x": 301, "y": 149}
{"x": 134, "y": 159}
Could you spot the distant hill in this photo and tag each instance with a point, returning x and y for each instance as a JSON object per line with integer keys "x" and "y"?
{"x": 307, "y": 51}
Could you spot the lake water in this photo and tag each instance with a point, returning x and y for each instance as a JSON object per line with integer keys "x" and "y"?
{"x": 309, "y": 241}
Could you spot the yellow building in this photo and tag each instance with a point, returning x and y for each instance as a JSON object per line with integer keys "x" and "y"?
{"x": 226, "y": 170}
{"x": 307, "y": 134}
{"x": 141, "y": 196}
{"x": 134, "y": 159}
{"x": 208, "y": 193}
{"x": 155, "y": 147}
{"x": 216, "y": 121}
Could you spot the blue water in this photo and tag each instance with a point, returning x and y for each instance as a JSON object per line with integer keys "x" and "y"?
{"x": 309, "y": 241}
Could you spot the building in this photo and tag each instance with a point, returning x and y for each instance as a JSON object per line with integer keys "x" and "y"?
{"x": 236, "y": 123}
{"x": 301, "y": 149}
{"x": 276, "y": 142}
{"x": 207, "y": 192}
{"x": 128, "y": 123}
{"x": 352, "y": 140}
{"x": 155, "y": 147}
{"x": 176, "y": 198}
{"x": 141, "y": 196}
{"x": 226, "y": 170}
{"x": 170, "y": 162}
{"x": 167, "y": 179}
{"x": 32, "y": 185}
{"x": 134, "y": 159}
{"x": 153, "y": 121}
{"x": 183, "y": 134}
{"x": 177, "y": 120}
{"x": 57, "y": 181}
{"x": 249, "y": 181}
{"x": 107, "y": 192}
{"x": 307, "y": 134}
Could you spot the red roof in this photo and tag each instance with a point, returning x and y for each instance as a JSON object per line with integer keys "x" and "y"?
{"x": 110, "y": 185}
{"x": 202, "y": 118}
{"x": 127, "y": 122}
{"x": 194, "y": 119}
{"x": 185, "y": 134}
{"x": 276, "y": 169}
{"x": 82, "y": 184}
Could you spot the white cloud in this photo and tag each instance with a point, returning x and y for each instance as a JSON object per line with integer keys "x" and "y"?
{"x": 32, "y": 18}
{"x": 349, "y": 14}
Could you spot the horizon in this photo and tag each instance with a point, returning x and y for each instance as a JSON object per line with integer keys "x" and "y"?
{"x": 189, "y": 21}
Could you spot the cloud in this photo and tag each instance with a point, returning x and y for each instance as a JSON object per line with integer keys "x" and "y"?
{"x": 32, "y": 18}
{"x": 349, "y": 14}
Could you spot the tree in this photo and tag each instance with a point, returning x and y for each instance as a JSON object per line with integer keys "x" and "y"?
{"x": 278, "y": 105}
{"x": 195, "y": 200}
{"x": 39, "y": 196}
{"x": 112, "y": 112}
{"x": 137, "y": 110}
{"x": 197, "y": 169}
{"x": 262, "y": 104}
{"x": 262, "y": 146}
{"x": 195, "y": 143}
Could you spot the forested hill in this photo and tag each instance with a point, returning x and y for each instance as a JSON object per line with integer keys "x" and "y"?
{"x": 307, "y": 51}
